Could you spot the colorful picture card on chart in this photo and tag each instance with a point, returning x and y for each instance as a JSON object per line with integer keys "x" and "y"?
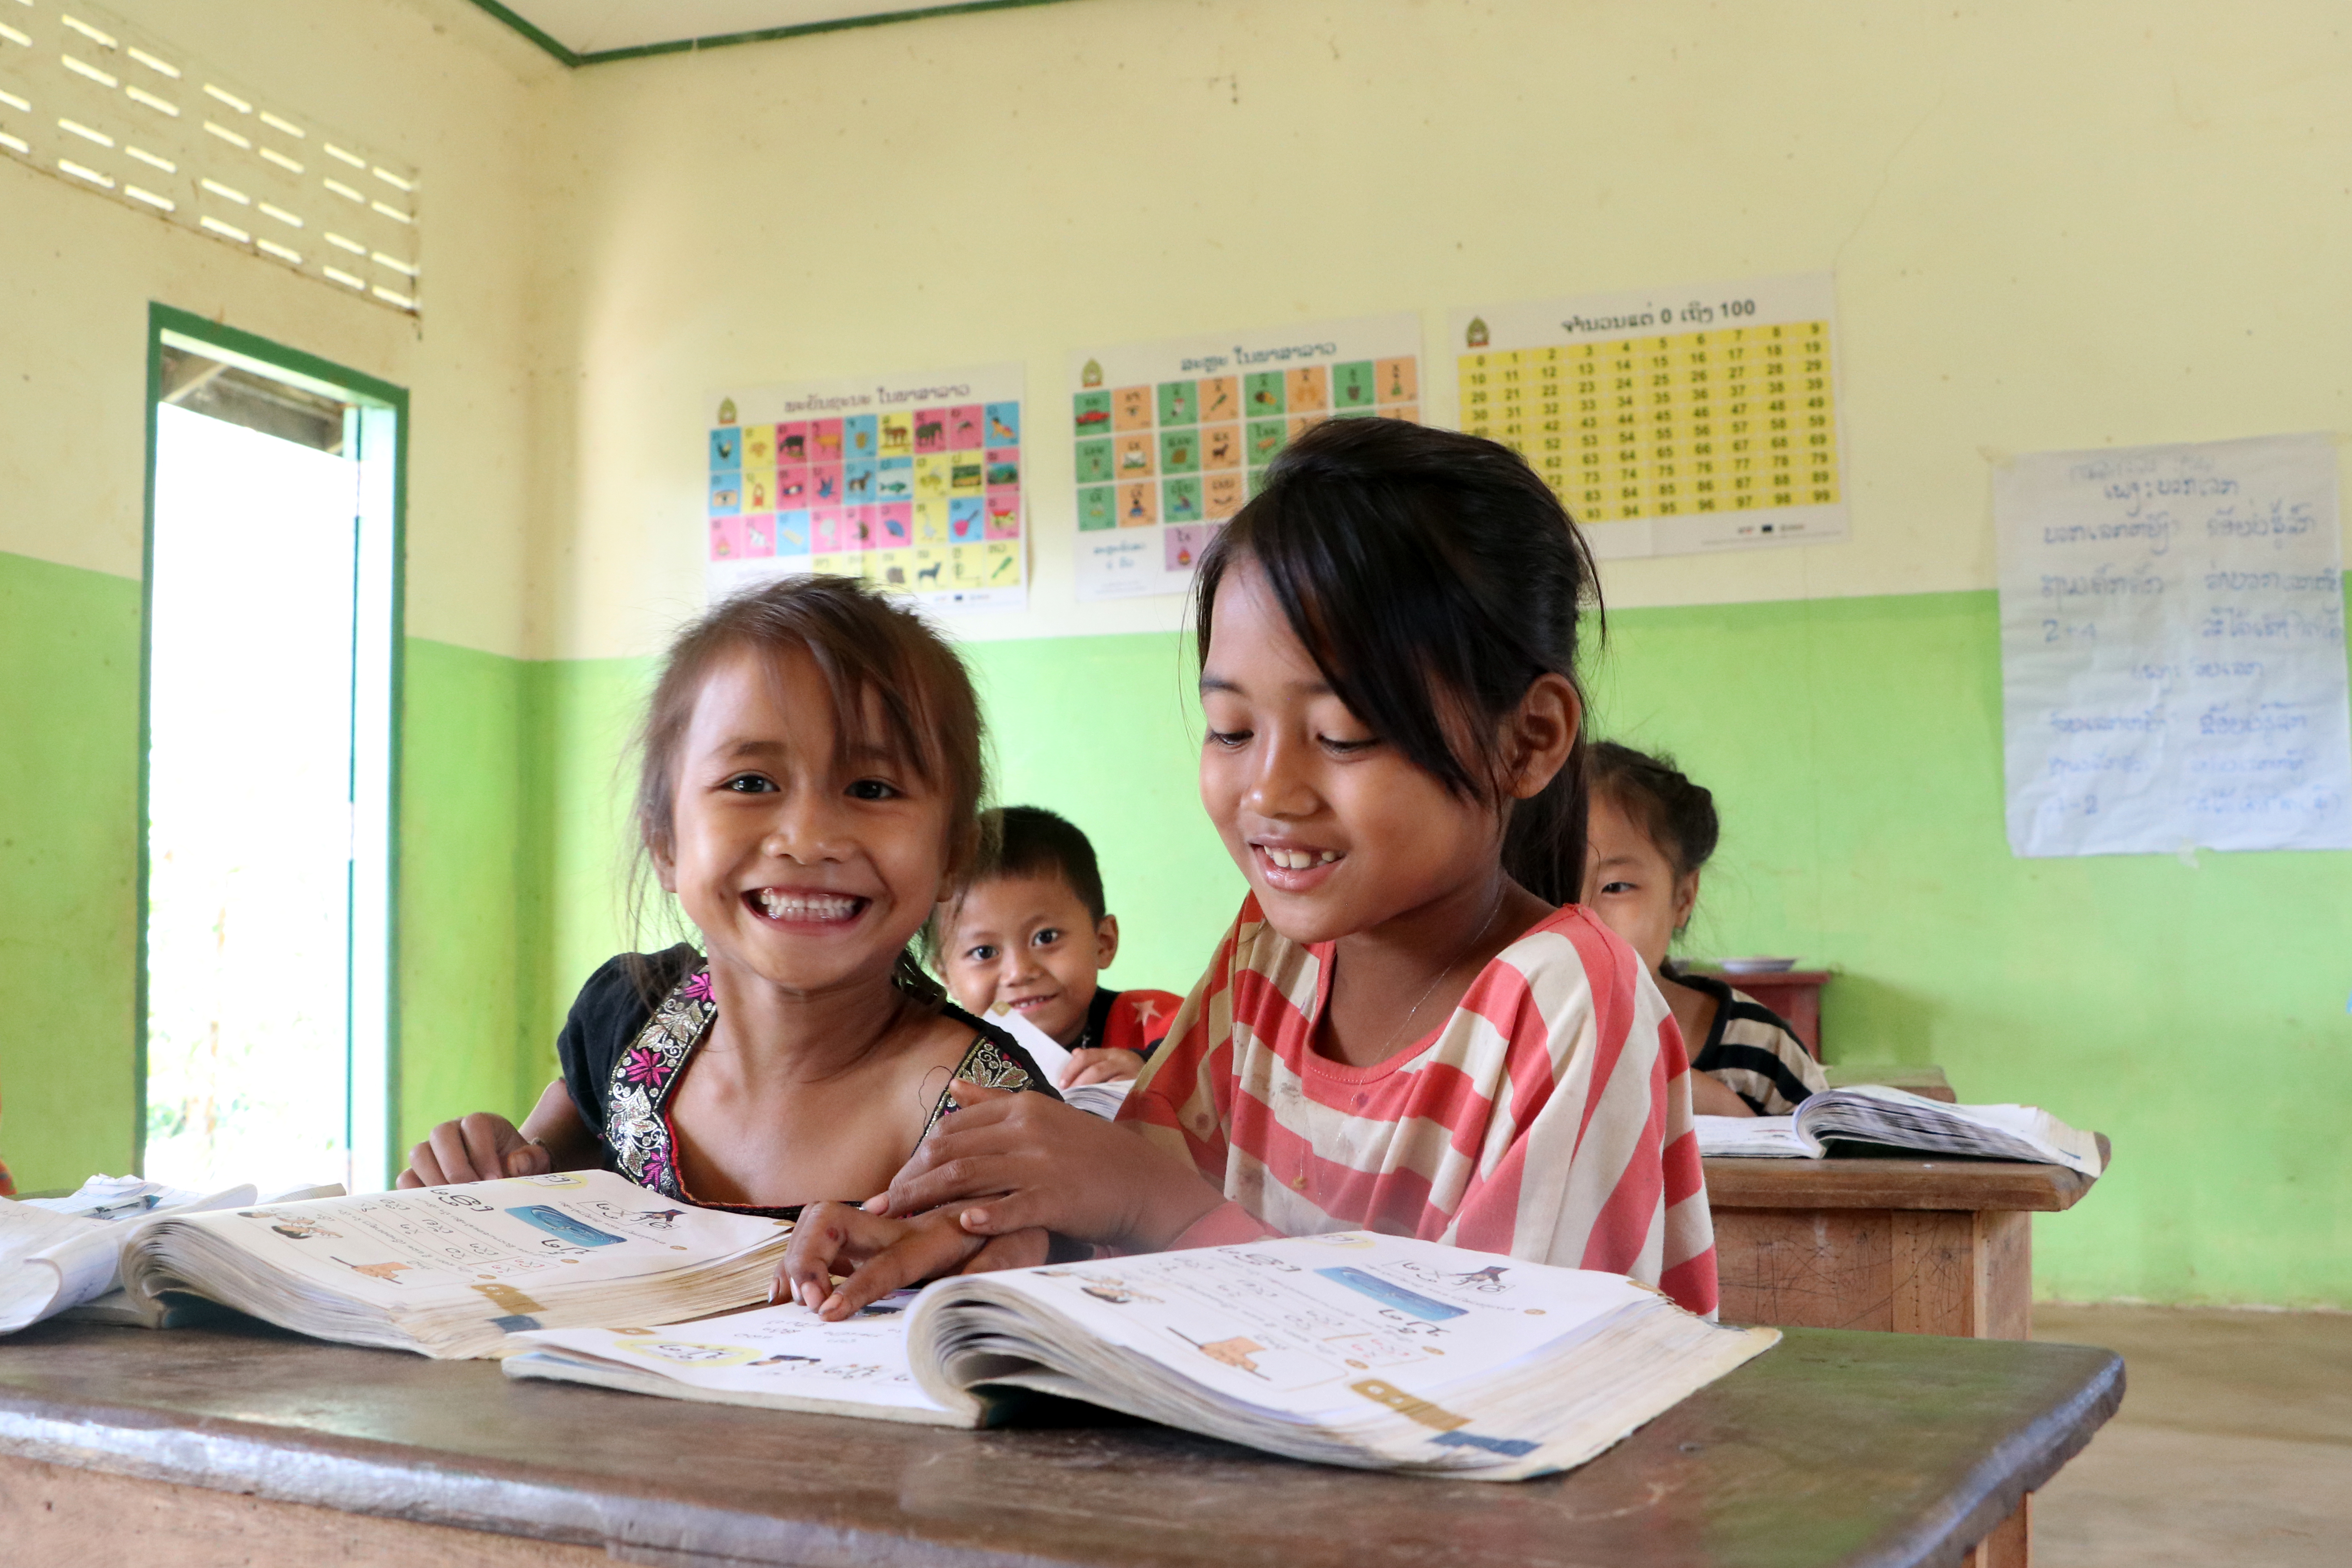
{"x": 912, "y": 483}
{"x": 1173, "y": 438}
{"x": 1669, "y": 421}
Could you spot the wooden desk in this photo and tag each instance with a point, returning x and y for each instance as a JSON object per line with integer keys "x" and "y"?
{"x": 197, "y": 1447}
{"x": 1916, "y": 1247}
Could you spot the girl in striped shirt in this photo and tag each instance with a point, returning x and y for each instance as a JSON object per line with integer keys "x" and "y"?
{"x": 1411, "y": 1027}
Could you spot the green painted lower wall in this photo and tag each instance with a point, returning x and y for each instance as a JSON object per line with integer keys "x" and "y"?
{"x": 68, "y": 869}
{"x": 472, "y": 907}
{"x": 2195, "y": 1013}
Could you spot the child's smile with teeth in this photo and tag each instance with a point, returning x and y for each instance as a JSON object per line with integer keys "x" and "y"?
{"x": 782, "y": 904}
{"x": 1297, "y": 859}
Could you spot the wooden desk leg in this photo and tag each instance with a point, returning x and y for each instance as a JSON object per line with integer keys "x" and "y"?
{"x": 2010, "y": 1544}
{"x": 1965, "y": 1274}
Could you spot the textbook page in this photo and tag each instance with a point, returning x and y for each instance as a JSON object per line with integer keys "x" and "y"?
{"x": 2172, "y": 650}
{"x": 784, "y": 1356}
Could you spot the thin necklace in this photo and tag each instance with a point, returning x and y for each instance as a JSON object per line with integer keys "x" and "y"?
{"x": 1494, "y": 910}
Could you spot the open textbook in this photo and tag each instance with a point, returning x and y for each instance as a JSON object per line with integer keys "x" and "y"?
{"x": 1051, "y": 1056}
{"x": 1871, "y": 1113}
{"x": 58, "y": 1255}
{"x": 1377, "y": 1352}
{"x": 454, "y": 1271}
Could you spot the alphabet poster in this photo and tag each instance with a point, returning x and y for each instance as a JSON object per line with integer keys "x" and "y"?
{"x": 1173, "y": 438}
{"x": 911, "y": 482}
{"x": 2173, "y": 648}
{"x": 1669, "y": 421}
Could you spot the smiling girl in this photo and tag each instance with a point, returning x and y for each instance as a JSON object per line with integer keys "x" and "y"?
{"x": 1405, "y": 1030}
{"x": 810, "y": 785}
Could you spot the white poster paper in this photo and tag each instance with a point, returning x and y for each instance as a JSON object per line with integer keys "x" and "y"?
{"x": 1171, "y": 437}
{"x": 2172, "y": 650}
{"x": 912, "y": 483}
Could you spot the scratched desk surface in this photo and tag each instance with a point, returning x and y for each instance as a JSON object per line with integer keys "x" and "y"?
{"x": 1833, "y": 1448}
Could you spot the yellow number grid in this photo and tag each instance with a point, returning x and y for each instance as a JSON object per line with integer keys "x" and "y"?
{"x": 1728, "y": 419}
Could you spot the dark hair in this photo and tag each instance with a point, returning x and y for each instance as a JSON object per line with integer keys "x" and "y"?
{"x": 1430, "y": 575}
{"x": 1021, "y": 841}
{"x": 893, "y": 684}
{"x": 1673, "y": 813}
{"x": 1029, "y": 841}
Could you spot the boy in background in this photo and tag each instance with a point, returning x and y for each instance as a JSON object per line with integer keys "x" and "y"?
{"x": 1027, "y": 933}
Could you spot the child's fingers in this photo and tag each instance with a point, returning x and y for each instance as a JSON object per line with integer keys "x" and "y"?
{"x": 1015, "y": 1249}
{"x": 1012, "y": 1213}
{"x": 486, "y": 1139}
{"x": 1103, "y": 1065}
{"x": 981, "y": 1174}
{"x": 529, "y": 1160}
{"x": 448, "y": 1152}
{"x": 918, "y": 1255}
{"x": 820, "y": 1238}
{"x": 967, "y": 1092}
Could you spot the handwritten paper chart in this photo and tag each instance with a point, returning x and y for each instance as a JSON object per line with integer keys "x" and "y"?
{"x": 912, "y": 483}
{"x": 1669, "y": 422}
{"x": 1173, "y": 438}
{"x": 2172, "y": 650}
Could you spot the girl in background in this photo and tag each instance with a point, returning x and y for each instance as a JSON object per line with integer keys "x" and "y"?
{"x": 810, "y": 787}
{"x": 1409, "y": 1029}
{"x": 1651, "y": 830}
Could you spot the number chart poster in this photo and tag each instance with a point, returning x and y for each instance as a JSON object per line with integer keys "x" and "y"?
{"x": 912, "y": 483}
{"x": 1173, "y": 436}
{"x": 1669, "y": 422}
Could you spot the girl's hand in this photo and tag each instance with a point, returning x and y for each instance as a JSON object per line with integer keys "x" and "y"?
{"x": 1035, "y": 1163}
{"x": 1098, "y": 1064}
{"x": 482, "y": 1147}
{"x": 879, "y": 1256}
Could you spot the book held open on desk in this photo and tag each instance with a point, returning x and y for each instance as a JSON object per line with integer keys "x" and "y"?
{"x": 455, "y": 1271}
{"x": 1375, "y": 1352}
{"x": 1872, "y": 1113}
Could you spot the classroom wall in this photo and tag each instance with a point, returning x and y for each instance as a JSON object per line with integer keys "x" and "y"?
{"x": 2051, "y": 227}
{"x": 454, "y": 92}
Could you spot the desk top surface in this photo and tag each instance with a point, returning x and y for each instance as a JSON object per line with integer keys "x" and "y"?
{"x": 1833, "y": 1448}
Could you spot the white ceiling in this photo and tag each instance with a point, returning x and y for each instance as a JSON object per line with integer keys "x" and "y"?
{"x": 596, "y": 27}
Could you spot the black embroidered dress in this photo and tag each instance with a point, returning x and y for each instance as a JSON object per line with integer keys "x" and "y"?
{"x": 623, "y": 1060}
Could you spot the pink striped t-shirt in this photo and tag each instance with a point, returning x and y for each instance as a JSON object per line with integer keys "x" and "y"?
{"x": 1549, "y": 1118}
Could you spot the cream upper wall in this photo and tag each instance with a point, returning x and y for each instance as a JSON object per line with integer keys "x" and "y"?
{"x": 2052, "y": 227}
{"x": 433, "y": 81}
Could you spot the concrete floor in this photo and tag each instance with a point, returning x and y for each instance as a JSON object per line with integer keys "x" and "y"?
{"x": 2233, "y": 1447}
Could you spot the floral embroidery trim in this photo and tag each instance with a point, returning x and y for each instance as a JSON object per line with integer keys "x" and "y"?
{"x": 644, "y": 1077}
{"x": 983, "y": 1064}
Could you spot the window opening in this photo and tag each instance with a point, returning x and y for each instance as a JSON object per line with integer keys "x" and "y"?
{"x": 266, "y": 939}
